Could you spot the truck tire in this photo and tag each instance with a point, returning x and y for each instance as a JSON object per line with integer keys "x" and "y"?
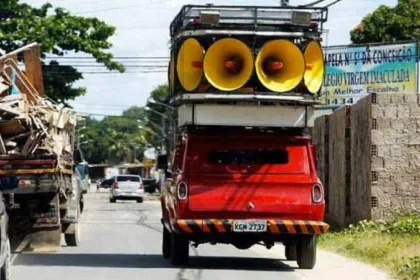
{"x": 290, "y": 252}
{"x": 306, "y": 252}
{"x": 5, "y": 272}
{"x": 73, "y": 239}
{"x": 112, "y": 200}
{"x": 166, "y": 243}
{"x": 140, "y": 200}
{"x": 179, "y": 249}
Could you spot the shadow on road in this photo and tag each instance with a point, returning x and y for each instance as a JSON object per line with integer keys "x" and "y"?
{"x": 148, "y": 261}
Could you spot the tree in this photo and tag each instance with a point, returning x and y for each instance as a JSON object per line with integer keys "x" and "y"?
{"x": 117, "y": 138}
{"x": 58, "y": 32}
{"x": 160, "y": 94}
{"x": 390, "y": 24}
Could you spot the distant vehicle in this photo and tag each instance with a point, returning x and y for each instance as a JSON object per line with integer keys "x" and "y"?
{"x": 106, "y": 184}
{"x": 5, "y": 254}
{"x": 126, "y": 187}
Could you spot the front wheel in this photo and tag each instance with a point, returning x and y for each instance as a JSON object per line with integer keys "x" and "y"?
{"x": 179, "y": 249}
{"x": 166, "y": 243}
{"x": 5, "y": 271}
{"x": 306, "y": 252}
{"x": 112, "y": 200}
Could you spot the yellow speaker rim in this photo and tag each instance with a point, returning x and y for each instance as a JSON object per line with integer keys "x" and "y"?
{"x": 213, "y": 60}
{"x": 190, "y": 51}
{"x": 314, "y": 87}
{"x": 171, "y": 73}
{"x": 293, "y": 70}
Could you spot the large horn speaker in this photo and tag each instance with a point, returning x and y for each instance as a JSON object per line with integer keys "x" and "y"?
{"x": 189, "y": 65}
{"x": 280, "y": 65}
{"x": 171, "y": 74}
{"x": 228, "y": 64}
{"x": 314, "y": 73}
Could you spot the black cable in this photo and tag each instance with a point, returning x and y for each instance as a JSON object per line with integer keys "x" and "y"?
{"x": 116, "y": 57}
{"x": 312, "y": 4}
{"x": 333, "y": 3}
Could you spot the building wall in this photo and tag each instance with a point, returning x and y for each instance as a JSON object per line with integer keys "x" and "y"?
{"x": 368, "y": 157}
{"x": 395, "y": 153}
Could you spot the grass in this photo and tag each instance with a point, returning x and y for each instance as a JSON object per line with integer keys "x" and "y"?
{"x": 393, "y": 245}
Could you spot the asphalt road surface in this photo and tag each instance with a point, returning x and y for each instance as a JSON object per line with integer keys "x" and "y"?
{"x": 122, "y": 241}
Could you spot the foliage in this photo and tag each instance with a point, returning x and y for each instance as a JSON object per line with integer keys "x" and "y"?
{"x": 58, "y": 32}
{"x": 388, "y": 24}
{"x": 399, "y": 223}
{"x": 160, "y": 94}
{"x": 392, "y": 245}
{"x": 115, "y": 139}
{"x": 409, "y": 269}
{"x": 124, "y": 138}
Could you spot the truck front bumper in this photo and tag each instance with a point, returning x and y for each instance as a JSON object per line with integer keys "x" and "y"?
{"x": 215, "y": 226}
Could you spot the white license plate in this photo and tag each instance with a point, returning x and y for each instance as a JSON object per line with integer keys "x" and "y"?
{"x": 250, "y": 226}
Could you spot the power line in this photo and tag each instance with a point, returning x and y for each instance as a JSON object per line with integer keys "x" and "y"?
{"x": 313, "y": 3}
{"x": 116, "y": 57}
{"x": 333, "y": 3}
{"x": 121, "y": 8}
{"x": 102, "y": 66}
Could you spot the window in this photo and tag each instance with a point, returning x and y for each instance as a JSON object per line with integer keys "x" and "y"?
{"x": 128, "y": 179}
{"x": 253, "y": 156}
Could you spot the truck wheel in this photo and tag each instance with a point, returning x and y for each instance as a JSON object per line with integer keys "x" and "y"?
{"x": 112, "y": 200}
{"x": 140, "y": 200}
{"x": 73, "y": 239}
{"x": 166, "y": 243}
{"x": 5, "y": 271}
{"x": 290, "y": 251}
{"x": 179, "y": 249}
{"x": 306, "y": 252}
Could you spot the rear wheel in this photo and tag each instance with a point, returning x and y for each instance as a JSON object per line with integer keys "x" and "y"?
{"x": 290, "y": 251}
{"x": 140, "y": 200}
{"x": 5, "y": 270}
{"x": 179, "y": 249}
{"x": 166, "y": 243}
{"x": 306, "y": 252}
{"x": 112, "y": 200}
{"x": 73, "y": 239}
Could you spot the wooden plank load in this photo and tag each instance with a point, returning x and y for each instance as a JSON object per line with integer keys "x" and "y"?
{"x": 30, "y": 123}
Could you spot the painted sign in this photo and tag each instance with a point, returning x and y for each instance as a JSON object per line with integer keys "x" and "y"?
{"x": 352, "y": 72}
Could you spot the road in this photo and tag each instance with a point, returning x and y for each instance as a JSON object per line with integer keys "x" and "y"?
{"x": 122, "y": 241}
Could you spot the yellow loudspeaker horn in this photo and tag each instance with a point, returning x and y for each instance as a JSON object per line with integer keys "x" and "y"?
{"x": 314, "y": 74}
{"x": 171, "y": 74}
{"x": 228, "y": 64}
{"x": 280, "y": 65}
{"x": 190, "y": 64}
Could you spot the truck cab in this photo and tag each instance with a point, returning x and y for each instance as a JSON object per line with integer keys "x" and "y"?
{"x": 243, "y": 187}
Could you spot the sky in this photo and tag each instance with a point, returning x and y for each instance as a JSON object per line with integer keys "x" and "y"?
{"x": 142, "y": 29}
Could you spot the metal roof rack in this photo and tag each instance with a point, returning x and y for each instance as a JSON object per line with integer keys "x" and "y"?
{"x": 200, "y": 20}
{"x": 297, "y": 100}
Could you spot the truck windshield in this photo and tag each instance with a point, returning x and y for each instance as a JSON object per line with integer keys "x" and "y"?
{"x": 128, "y": 179}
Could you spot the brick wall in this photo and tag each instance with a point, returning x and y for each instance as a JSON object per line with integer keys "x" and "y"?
{"x": 368, "y": 157}
{"x": 395, "y": 153}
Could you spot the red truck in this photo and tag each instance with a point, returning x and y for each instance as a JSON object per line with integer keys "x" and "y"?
{"x": 243, "y": 187}
{"x": 243, "y": 82}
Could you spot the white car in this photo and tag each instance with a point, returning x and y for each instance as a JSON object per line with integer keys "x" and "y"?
{"x": 126, "y": 187}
